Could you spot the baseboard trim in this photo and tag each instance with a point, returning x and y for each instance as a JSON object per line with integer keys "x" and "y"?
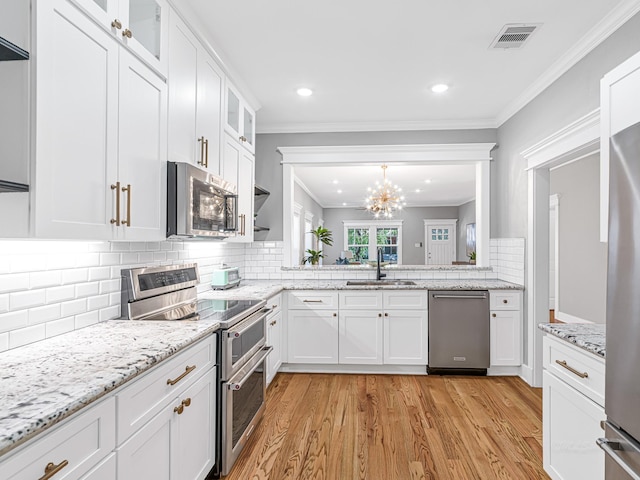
{"x": 383, "y": 369}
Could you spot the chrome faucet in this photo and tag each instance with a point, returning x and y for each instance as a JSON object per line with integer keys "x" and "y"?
{"x": 379, "y": 275}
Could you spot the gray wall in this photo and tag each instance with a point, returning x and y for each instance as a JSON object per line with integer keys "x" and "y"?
{"x": 573, "y": 95}
{"x": 412, "y": 229}
{"x": 582, "y": 258}
{"x": 269, "y": 170}
{"x": 466, "y": 214}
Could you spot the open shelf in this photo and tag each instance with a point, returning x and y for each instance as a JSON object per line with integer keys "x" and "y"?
{"x": 9, "y": 51}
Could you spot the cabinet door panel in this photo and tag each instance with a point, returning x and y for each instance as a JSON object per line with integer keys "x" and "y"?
{"x": 209, "y": 109}
{"x": 360, "y": 339}
{"x": 406, "y": 337}
{"x": 183, "y": 68}
{"x": 105, "y": 470}
{"x": 195, "y": 435}
{"x": 76, "y": 125}
{"x": 571, "y": 425}
{"x": 142, "y": 134}
{"x": 274, "y": 339}
{"x": 312, "y": 336}
{"x": 506, "y": 338}
{"x": 230, "y": 160}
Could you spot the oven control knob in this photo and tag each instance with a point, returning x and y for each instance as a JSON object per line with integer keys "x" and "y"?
{"x": 234, "y": 386}
{"x": 234, "y": 334}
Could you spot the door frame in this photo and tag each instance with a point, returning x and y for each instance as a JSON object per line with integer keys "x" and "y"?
{"x": 452, "y": 224}
{"x": 575, "y": 141}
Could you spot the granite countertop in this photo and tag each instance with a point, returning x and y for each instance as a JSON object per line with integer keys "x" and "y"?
{"x": 588, "y": 336}
{"x": 45, "y": 382}
{"x": 263, "y": 289}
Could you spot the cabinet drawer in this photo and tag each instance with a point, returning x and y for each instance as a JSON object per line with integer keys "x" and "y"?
{"x": 144, "y": 398}
{"x": 275, "y": 303}
{"x": 504, "y": 300}
{"x": 313, "y": 299}
{"x": 360, "y": 300}
{"x": 580, "y": 369}
{"x": 407, "y": 300}
{"x": 82, "y": 442}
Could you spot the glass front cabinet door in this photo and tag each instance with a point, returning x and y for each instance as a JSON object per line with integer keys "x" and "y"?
{"x": 142, "y": 25}
{"x": 240, "y": 119}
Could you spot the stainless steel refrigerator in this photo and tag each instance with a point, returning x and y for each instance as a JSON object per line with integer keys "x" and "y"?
{"x": 622, "y": 392}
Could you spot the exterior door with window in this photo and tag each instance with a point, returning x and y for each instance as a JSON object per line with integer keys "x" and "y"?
{"x": 440, "y": 242}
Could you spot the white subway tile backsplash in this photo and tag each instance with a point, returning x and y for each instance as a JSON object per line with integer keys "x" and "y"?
{"x": 75, "y": 275}
{"x": 108, "y": 259}
{"x": 87, "y": 289}
{"x": 4, "y": 342}
{"x": 60, "y": 326}
{"x": 99, "y": 273}
{"x": 24, "y": 336}
{"x": 45, "y": 279}
{"x": 86, "y": 319}
{"x": 13, "y": 283}
{"x": 44, "y": 314}
{"x": 74, "y": 307}
{"x": 4, "y": 303}
{"x": 108, "y": 286}
{"x": 27, "y": 299}
{"x": 96, "y": 303}
{"x": 110, "y": 313}
{"x": 13, "y": 320}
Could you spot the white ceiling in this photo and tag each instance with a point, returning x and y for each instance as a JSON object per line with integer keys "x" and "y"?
{"x": 371, "y": 63}
{"x": 450, "y": 185}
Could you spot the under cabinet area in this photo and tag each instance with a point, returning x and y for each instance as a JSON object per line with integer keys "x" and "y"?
{"x": 573, "y": 408}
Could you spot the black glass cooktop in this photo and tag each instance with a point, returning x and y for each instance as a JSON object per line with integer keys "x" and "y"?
{"x": 227, "y": 312}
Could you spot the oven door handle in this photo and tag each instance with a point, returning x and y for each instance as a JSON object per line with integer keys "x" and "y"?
{"x": 234, "y": 384}
{"x": 249, "y": 322}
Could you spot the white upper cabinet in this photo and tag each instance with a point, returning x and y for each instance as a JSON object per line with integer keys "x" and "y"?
{"x": 100, "y": 136}
{"x": 240, "y": 119}
{"x": 142, "y": 25}
{"x": 195, "y": 100}
{"x": 238, "y": 168}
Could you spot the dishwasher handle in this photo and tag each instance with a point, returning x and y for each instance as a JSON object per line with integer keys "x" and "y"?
{"x": 464, "y": 297}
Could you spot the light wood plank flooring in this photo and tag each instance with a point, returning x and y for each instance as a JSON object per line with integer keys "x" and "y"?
{"x": 396, "y": 427}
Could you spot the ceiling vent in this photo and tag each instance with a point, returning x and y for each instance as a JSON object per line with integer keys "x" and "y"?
{"x": 514, "y": 35}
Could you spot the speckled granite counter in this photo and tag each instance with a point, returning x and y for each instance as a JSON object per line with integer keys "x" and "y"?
{"x": 588, "y": 336}
{"x": 44, "y": 382}
{"x": 264, "y": 289}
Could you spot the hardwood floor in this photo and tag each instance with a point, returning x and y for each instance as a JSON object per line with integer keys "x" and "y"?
{"x": 396, "y": 427}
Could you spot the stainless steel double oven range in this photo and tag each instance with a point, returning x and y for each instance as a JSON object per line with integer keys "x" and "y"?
{"x": 169, "y": 293}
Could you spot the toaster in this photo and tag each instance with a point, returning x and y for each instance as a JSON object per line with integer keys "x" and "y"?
{"x": 225, "y": 277}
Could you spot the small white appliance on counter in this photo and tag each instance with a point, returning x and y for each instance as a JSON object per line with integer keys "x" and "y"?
{"x": 225, "y": 277}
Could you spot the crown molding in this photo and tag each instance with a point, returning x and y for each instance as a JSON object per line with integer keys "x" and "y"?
{"x": 266, "y": 128}
{"x": 575, "y": 140}
{"x": 598, "y": 34}
{"x": 373, "y": 154}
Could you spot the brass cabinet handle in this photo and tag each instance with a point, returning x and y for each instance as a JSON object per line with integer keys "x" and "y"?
{"x": 127, "y": 189}
{"x": 127, "y": 33}
{"x": 186, "y": 372}
{"x": 51, "y": 469}
{"x": 206, "y": 153}
{"x": 274, "y": 306}
{"x": 116, "y": 24}
{"x": 179, "y": 409}
{"x": 563, "y": 363}
{"x": 186, "y": 402}
{"x": 201, "y": 141}
{"x": 494, "y": 315}
{"x": 116, "y": 220}
{"x": 243, "y": 138}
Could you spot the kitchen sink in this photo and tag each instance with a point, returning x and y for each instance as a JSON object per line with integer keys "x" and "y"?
{"x": 367, "y": 283}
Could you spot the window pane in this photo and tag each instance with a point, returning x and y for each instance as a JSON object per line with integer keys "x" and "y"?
{"x": 359, "y": 253}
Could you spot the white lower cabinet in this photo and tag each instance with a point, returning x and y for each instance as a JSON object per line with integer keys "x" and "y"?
{"x": 505, "y": 328}
{"x": 178, "y": 443}
{"x": 360, "y": 337}
{"x": 572, "y": 407}
{"x": 312, "y": 336}
{"x": 274, "y": 336}
{"x": 72, "y": 449}
{"x": 105, "y": 470}
{"x": 406, "y": 340}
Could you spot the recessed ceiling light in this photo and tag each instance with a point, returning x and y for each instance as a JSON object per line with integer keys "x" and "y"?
{"x": 344, "y": 204}
{"x": 440, "y": 88}
{"x": 339, "y": 191}
{"x": 335, "y": 182}
{"x": 304, "y": 92}
{"x": 428, "y": 180}
{"x": 417, "y": 190}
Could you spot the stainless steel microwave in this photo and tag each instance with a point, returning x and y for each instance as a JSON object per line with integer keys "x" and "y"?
{"x": 199, "y": 204}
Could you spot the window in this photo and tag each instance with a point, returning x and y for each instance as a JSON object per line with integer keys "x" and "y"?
{"x": 363, "y": 239}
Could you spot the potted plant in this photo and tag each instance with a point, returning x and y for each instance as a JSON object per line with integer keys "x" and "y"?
{"x": 322, "y": 236}
{"x": 472, "y": 258}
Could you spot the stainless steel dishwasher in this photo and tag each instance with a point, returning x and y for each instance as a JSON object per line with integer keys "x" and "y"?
{"x": 459, "y": 332}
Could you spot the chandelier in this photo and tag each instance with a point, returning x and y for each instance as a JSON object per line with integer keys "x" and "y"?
{"x": 384, "y": 198}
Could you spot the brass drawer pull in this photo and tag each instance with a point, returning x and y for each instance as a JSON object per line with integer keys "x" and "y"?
{"x": 186, "y": 402}
{"x": 563, "y": 363}
{"x": 116, "y": 24}
{"x": 206, "y": 153}
{"x": 51, "y": 469}
{"x": 201, "y": 162}
{"x": 187, "y": 371}
{"x": 127, "y": 33}
{"x": 179, "y": 409}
